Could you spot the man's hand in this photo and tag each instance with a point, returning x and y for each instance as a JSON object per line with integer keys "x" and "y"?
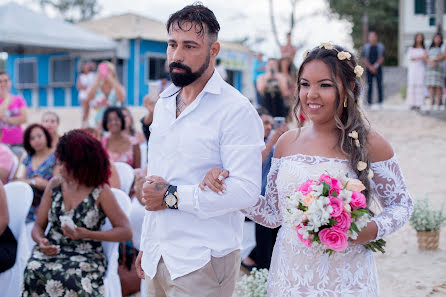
{"x": 149, "y": 104}
{"x": 138, "y": 267}
{"x": 153, "y": 192}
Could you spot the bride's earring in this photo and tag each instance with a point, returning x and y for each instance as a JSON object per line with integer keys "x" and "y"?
{"x": 345, "y": 101}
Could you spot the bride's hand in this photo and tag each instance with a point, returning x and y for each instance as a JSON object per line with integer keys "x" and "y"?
{"x": 214, "y": 180}
{"x": 368, "y": 234}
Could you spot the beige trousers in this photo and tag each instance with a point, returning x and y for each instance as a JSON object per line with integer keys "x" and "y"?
{"x": 216, "y": 279}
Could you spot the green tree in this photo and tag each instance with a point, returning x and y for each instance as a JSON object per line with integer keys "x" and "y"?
{"x": 73, "y": 10}
{"x": 382, "y": 18}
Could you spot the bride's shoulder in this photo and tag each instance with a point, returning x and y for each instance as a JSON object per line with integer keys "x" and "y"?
{"x": 379, "y": 149}
{"x": 285, "y": 140}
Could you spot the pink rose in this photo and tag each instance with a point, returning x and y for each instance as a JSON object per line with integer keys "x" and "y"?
{"x": 334, "y": 184}
{"x": 305, "y": 188}
{"x": 334, "y": 238}
{"x": 355, "y": 185}
{"x": 337, "y": 205}
{"x": 343, "y": 221}
{"x": 307, "y": 241}
{"x": 358, "y": 200}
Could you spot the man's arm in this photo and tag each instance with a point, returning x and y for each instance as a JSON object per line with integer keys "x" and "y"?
{"x": 241, "y": 154}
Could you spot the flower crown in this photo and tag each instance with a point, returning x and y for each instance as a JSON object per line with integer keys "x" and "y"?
{"x": 343, "y": 55}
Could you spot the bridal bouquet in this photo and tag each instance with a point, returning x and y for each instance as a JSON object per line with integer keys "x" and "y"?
{"x": 329, "y": 211}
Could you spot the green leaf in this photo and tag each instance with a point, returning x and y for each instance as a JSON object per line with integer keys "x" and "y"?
{"x": 355, "y": 228}
{"x": 325, "y": 189}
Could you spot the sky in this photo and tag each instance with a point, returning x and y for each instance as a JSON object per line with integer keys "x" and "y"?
{"x": 246, "y": 18}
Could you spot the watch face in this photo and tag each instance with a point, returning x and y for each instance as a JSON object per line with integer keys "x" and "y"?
{"x": 171, "y": 200}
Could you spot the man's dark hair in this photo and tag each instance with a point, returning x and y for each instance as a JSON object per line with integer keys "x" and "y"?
{"x": 196, "y": 16}
{"x": 4, "y": 73}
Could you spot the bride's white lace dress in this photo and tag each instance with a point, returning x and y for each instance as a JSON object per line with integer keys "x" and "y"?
{"x": 300, "y": 271}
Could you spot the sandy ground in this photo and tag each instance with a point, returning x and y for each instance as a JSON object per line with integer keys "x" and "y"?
{"x": 419, "y": 142}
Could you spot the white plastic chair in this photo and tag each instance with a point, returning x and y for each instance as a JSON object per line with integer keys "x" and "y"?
{"x": 14, "y": 168}
{"x": 112, "y": 282}
{"x": 126, "y": 176}
{"x": 19, "y": 196}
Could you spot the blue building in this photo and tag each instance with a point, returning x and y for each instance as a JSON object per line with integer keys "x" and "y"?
{"x": 45, "y": 63}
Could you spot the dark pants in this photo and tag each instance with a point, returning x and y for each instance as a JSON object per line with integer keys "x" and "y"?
{"x": 265, "y": 240}
{"x": 379, "y": 81}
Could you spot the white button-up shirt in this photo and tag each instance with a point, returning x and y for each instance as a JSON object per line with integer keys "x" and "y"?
{"x": 221, "y": 129}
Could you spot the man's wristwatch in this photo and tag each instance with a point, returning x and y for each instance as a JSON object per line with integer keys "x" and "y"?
{"x": 171, "y": 197}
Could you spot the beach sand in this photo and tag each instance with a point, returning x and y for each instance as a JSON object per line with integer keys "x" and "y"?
{"x": 420, "y": 145}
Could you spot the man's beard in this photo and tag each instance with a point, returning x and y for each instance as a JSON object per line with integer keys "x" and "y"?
{"x": 185, "y": 79}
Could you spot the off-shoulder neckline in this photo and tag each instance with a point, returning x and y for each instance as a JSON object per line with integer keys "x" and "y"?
{"x": 328, "y": 158}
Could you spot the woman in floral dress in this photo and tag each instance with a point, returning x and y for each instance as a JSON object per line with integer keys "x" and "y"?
{"x": 70, "y": 261}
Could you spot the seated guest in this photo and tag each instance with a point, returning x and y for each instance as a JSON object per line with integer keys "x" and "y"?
{"x": 40, "y": 164}
{"x": 8, "y": 244}
{"x": 146, "y": 121}
{"x": 136, "y": 136}
{"x": 51, "y": 121}
{"x": 118, "y": 144}
{"x": 6, "y": 162}
{"x": 12, "y": 115}
{"x": 70, "y": 260}
{"x": 113, "y": 181}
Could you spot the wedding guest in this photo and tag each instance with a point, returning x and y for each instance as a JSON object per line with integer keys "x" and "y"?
{"x": 85, "y": 79}
{"x": 136, "y": 136}
{"x": 69, "y": 260}
{"x": 273, "y": 87}
{"x": 51, "y": 121}
{"x": 40, "y": 164}
{"x": 415, "y": 73}
{"x": 258, "y": 68}
{"x": 113, "y": 181}
{"x": 288, "y": 50}
{"x": 146, "y": 121}
{"x": 118, "y": 144}
{"x": 286, "y": 67}
{"x": 13, "y": 113}
{"x": 339, "y": 141}
{"x": 6, "y": 162}
{"x": 373, "y": 58}
{"x": 105, "y": 91}
{"x": 434, "y": 75}
{"x": 190, "y": 242}
{"x": 8, "y": 243}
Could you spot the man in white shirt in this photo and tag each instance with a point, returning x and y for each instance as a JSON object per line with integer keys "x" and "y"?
{"x": 191, "y": 238}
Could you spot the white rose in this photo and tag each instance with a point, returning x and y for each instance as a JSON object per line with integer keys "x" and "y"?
{"x": 91, "y": 219}
{"x": 33, "y": 265}
{"x": 85, "y": 267}
{"x": 86, "y": 285}
{"x": 78, "y": 258}
{"x": 53, "y": 266}
{"x": 71, "y": 293}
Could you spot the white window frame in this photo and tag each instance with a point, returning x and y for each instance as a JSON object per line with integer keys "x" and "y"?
{"x": 50, "y": 72}
{"x": 147, "y": 65}
{"x": 18, "y": 85}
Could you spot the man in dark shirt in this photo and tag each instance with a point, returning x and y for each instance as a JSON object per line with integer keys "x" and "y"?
{"x": 373, "y": 57}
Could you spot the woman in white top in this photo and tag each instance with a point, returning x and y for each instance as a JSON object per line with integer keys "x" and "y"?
{"x": 328, "y": 89}
{"x": 85, "y": 79}
{"x": 415, "y": 74}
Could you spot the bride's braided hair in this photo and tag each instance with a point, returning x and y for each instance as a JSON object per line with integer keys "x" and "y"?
{"x": 343, "y": 64}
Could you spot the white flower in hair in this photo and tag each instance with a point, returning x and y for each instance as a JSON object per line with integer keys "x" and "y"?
{"x": 361, "y": 166}
{"x": 306, "y": 54}
{"x": 359, "y": 71}
{"x": 357, "y": 143}
{"x": 327, "y": 45}
{"x": 371, "y": 174}
{"x": 344, "y": 55}
{"x": 353, "y": 134}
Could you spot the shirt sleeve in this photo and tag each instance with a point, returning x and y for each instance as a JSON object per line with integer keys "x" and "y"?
{"x": 390, "y": 190}
{"x": 267, "y": 212}
{"x": 241, "y": 145}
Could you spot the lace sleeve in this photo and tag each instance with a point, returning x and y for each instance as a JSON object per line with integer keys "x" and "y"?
{"x": 390, "y": 190}
{"x": 266, "y": 211}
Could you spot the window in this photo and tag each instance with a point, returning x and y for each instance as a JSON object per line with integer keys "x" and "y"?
{"x": 427, "y": 7}
{"x": 155, "y": 67}
{"x": 61, "y": 70}
{"x": 26, "y": 72}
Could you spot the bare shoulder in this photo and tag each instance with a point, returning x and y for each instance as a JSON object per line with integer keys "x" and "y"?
{"x": 285, "y": 140}
{"x": 54, "y": 182}
{"x": 378, "y": 147}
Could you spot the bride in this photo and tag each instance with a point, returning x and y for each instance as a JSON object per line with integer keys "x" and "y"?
{"x": 339, "y": 141}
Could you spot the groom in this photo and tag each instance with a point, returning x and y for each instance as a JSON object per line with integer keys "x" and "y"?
{"x": 190, "y": 243}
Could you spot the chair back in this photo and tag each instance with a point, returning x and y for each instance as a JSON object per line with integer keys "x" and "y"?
{"x": 126, "y": 176}
{"x": 110, "y": 248}
{"x": 19, "y": 197}
{"x": 14, "y": 168}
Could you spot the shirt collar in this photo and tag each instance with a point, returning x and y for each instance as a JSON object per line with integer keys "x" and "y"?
{"x": 213, "y": 86}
